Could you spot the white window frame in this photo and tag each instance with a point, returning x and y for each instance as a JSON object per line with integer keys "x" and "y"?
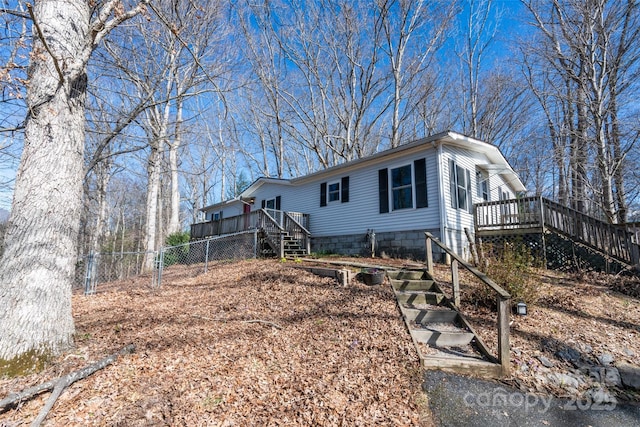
{"x": 482, "y": 184}
{"x": 411, "y": 186}
{"x": 335, "y": 192}
{"x": 467, "y": 188}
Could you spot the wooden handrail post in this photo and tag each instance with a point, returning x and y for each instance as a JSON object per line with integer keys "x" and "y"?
{"x": 455, "y": 280}
{"x": 504, "y": 306}
{"x": 429, "y": 255}
{"x": 281, "y": 245}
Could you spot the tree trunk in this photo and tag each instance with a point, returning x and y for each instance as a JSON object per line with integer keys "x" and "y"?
{"x": 174, "y": 220}
{"x": 41, "y": 243}
{"x": 153, "y": 189}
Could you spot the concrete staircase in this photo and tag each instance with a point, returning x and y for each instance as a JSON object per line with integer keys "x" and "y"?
{"x": 442, "y": 336}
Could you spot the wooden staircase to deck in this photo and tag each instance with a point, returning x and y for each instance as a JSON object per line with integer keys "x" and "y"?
{"x": 443, "y": 338}
{"x": 292, "y": 247}
{"x": 566, "y": 236}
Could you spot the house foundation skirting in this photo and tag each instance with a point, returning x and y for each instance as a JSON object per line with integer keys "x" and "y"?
{"x": 397, "y": 244}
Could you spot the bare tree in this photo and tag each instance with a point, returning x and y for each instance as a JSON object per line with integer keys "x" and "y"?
{"x": 413, "y": 33}
{"x": 40, "y": 250}
{"x": 588, "y": 45}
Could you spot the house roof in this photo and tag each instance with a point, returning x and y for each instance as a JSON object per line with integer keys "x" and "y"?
{"x": 498, "y": 163}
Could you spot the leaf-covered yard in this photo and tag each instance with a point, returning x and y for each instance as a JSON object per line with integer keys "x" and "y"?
{"x": 249, "y": 343}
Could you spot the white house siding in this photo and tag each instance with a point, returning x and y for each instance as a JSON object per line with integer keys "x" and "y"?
{"x": 226, "y": 210}
{"x": 352, "y": 219}
{"x": 459, "y": 219}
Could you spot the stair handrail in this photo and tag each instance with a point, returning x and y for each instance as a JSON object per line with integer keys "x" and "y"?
{"x": 621, "y": 236}
{"x": 271, "y": 219}
{"x": 279, "y": 231}
{"x": 297, "y": 224}
{"x": 503, "y": 300}
{"x": 307, "y": 233}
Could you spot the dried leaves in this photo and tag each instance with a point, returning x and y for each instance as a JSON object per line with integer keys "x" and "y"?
{"x": 321, "y": 354}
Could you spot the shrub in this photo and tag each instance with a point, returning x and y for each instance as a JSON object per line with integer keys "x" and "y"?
{"x": 176, "y": 255}
{"x": 512, "y": 267}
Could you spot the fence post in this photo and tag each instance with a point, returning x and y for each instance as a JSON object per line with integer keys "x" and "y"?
{"x": 206, "y": 256}
{"x": 88, "y": 276}
{"x": 159, "y": 266}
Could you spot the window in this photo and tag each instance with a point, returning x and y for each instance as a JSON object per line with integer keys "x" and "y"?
{"x": 401, "y": 187}
{"x": 482, "y": 182}
{"x": 270, "y": 204}
{"x": 216, "y": 216}
{"x": 460, "y": 186}
{"x": 334, "y": 192}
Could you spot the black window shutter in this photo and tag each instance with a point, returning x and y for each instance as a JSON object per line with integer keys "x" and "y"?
{"x": 469, "y": 193}
{"x": 323, "y": 194}
{"x": 383, "y": 190}
{"x": 264, "y": 204}
{"x": 453, "y": 186}
{"x": 345, "y": 189}
{"x": 278, "y": 203}
{"x": 420, "y": 172}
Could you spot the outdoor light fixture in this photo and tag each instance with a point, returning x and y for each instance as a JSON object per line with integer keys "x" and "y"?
{"x": 521, "y": 309}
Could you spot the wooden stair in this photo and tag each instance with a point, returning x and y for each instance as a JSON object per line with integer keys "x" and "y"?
{"x": 293, "y": 248}
{"x": 442, "y": 336}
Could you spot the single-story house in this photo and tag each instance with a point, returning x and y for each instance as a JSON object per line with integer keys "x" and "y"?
{"x": 427, "y": 185}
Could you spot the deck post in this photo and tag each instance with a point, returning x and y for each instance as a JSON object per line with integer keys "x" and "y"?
{"x": 455, "y": 281}
{"x": 308, "y": 239}
{"x": 281, "y": 245}
{"x": 504, "y": 305}
{"x": 429, "y": 255}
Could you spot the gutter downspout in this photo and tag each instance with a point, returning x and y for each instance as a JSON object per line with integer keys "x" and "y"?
{"x": 444, "y": 223}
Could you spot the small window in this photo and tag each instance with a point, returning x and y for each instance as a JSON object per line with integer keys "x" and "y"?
{"x": 216, "y": 216}
{"x": 482, "y": 183}
{"x": 460, "y": 186}
{"x": 270, "y": 204}
{"x": 401, "y": 187}
{"x": 334, "y": 192}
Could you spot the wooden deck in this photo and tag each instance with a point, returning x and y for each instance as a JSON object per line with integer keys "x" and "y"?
{"x": 539, "y": 215}
{"x": 280, "y": 229}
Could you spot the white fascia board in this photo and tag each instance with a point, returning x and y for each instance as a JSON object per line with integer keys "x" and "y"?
{"x": 499, "y": 163}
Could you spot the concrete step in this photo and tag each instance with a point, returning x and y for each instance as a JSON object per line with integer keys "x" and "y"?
{"x": 409, "y": 274}
{"x": 416, "y": 298}
{"x": 411, "y": 285}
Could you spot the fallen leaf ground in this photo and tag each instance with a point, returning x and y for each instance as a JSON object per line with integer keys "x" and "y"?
{"x": 249, "y": 343}
{"x": 585, "y": 313}
{"x": 265, "y": 343}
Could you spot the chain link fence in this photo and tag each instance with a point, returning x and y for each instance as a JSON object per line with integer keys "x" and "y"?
{"x": 199, "y": 254}
{"x": 100, "y": 268}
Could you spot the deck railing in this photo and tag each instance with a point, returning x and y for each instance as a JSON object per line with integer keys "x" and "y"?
{"x": 503, "y": 297}
{"x": 272, "y": 221}
{"x": 613, "y": 240}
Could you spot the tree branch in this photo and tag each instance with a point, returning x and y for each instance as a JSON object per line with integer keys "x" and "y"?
{"x": 103, "y": 25}
{"x": 46, "y": 45}
{"x": 58, "y": 385}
